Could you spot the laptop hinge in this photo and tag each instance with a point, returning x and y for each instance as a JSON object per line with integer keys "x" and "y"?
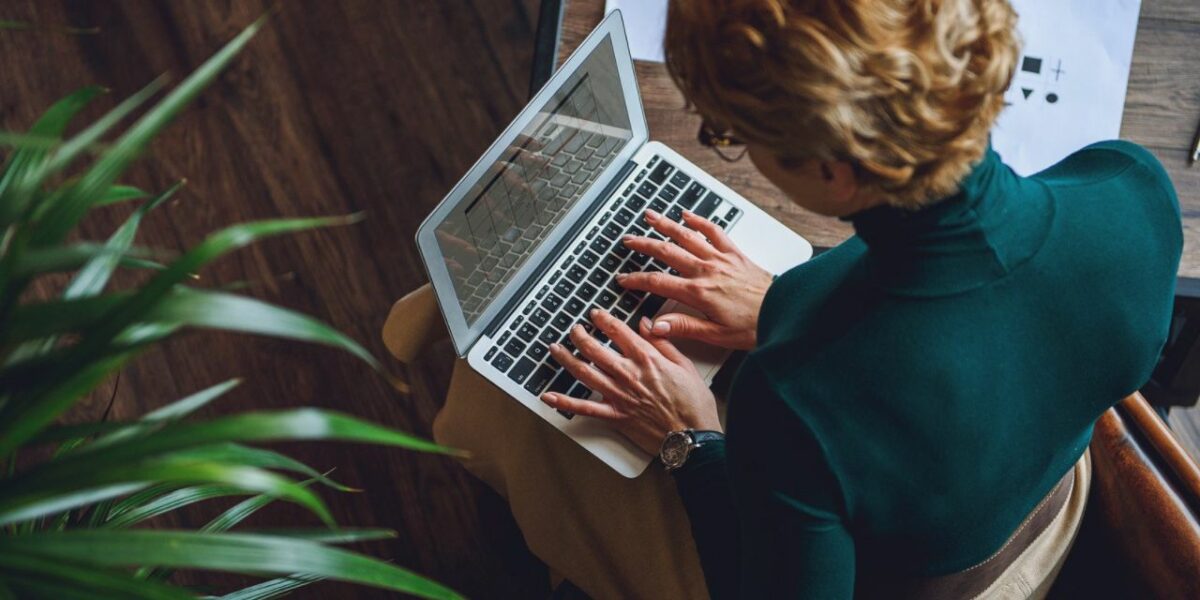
{"x": 559, "y": 249}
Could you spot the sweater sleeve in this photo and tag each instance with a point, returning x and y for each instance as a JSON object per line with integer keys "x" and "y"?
{"x": 768, "y": 518}
{"x": 703, "y": 484}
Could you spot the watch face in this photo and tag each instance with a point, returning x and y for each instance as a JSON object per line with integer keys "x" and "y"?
{"x": 675, "y": 449}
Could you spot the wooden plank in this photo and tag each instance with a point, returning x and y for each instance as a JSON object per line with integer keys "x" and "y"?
{"x": 1175, "y": 10}
{"x": 1162, "y": 112}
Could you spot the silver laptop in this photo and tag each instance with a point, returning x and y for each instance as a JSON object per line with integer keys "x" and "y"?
{"x": 528, "y": 241}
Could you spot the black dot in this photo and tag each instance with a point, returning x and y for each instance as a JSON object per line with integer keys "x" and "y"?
{"x": 1051, "y": 97}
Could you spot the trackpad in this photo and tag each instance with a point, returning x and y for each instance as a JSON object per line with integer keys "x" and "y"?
{"x": 708, "y": 358}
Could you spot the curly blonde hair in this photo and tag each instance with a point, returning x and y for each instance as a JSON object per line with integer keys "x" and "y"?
{"x": 905, "y": 90}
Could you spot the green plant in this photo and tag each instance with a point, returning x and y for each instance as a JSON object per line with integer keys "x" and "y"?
{"x": 69, "y": 523}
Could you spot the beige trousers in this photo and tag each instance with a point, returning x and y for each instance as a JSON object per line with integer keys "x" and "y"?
{"x": 615, "y": 537}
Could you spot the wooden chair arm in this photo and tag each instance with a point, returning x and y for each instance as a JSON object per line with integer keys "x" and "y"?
{"x": 1143, "y": 507}
{"x": 1173, "y": 456}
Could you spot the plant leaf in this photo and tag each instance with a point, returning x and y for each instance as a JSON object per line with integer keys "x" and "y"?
{"x": 91, "y": 279}
{"x": 170, "y": 501}
{"x": 229, "y": 312}
{"x": 46, "y": 485}
{"x": 275, "y": 588}
{"x": 16, "y": 429}
{"x": 120, "y": 193}
{"x": 341, "y": 535}
{"x": 232, "y": 552}
{"x": 78, "y": 581}
{"x": 49, "y": 127}
{"x": 231, "y": 453}
{"x": 68, "y": 501}
{"x": 66, "y": 258}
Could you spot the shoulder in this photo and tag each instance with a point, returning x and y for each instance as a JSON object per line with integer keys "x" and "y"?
{"x": 1118, "y": 187}
{"x": 1116, "y": 169}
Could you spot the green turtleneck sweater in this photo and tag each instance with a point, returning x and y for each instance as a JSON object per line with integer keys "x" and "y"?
{"x": 919, "y": 388}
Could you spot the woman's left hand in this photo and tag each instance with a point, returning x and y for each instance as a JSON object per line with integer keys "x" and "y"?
{"x": 650, "y": 388}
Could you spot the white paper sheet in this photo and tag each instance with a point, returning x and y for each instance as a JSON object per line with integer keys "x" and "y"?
{"x": 645, "y": 24}
{"x": 1069, "y": 90}
{"x": 1073, "y": 97}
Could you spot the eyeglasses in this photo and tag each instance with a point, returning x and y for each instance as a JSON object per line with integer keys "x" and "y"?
{"x": 721, "y": 142}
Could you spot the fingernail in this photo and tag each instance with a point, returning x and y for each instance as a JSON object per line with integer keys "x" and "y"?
{"x": 595, "y": 312}
{"x": 555, "y": 346}
{"x": 548, "y": 398}
{"x": 651, "y": 215}
{"x": 626, "y": 237}
{"x": 622, "y": 276}
{"x": 645, "y": 323}
{"x": 662, "y": 327}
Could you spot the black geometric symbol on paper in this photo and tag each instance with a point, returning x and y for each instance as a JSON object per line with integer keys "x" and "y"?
{"x": 1028, "y": 92}
{"x": 1031, "y": 65}
{"x": 1052, "y": 98}
{"x": 1058, "y": 71}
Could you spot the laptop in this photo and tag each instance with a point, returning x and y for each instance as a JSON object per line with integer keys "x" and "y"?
{"x": 528, "y": 241}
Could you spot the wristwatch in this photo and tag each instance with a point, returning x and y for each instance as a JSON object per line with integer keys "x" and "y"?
{"x": 679, "y": 445}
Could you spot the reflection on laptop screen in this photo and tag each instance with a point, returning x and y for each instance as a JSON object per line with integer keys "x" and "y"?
{"x": 541, "y": 175}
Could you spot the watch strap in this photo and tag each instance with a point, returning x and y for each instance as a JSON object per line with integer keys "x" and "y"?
{"x": 699, "y": 438}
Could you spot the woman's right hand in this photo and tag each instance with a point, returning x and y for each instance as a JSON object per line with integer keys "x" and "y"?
{"x": 714, "y": 277}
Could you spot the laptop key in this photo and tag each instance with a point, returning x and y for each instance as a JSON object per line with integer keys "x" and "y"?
{"x": 635, "y": 203}
{"x": 668, "y": 193}
{"x": 661, "y": 172}
{"x": 627, "y": 302}
{"x": 551, "y": 303}
{"x": 606, "y": 299}
{"x": 576, "y": 274}
{"x": 588, "y": 259}
{"x": 574, "y": 307}
{"x": 680, "y": 179}
{"x": 564, "y": 288}
{"x": 527, "y": 332}
{"x": 514, "y": 347}
{"x": 600, "y": 245}
{"x": 675, "y": 213}
{"x": 710, "y": 203}
{"x": 586, "y": 291}
{"x": 611, "y": 262}
{"x": 502, "y": 362}
{"x": 611, "y": 231}
{"x": 580, "y": 391}
{"x": 562, "y": 321}
{"x": 539, "y": 380}
{"x": 550, "y": 335}
{"x": 537, "y": 351}
{"x": 562, "y": 383}
{"x": 539, "y": 317}
{"x": 521, "y": 371}
{"x": 623, "y": 217}
{"x": 490, "y": 353}
{"x": 658, "y": 205}
{"x": 598, "y": 277}
{"x": 646, "y": 189}
{"x": 693, "y": 193}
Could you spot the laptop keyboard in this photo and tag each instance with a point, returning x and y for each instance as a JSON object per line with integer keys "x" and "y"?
{"x": 585, "y": 279}
{"x": 578, "y": 159}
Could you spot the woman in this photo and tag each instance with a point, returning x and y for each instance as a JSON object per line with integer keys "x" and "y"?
{"x": 916, "y": 405}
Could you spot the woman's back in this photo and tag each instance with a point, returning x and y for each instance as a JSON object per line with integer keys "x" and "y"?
{"x": 920, "y": 388}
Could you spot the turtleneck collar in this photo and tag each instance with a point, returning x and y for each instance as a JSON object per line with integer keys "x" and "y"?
{"x": 995, "y": 223}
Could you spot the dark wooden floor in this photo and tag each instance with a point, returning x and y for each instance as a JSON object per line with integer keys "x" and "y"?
{"x": 336, "y": 107}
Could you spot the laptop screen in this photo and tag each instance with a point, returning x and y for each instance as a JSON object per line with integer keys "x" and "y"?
{"x": 543, "y": 173}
